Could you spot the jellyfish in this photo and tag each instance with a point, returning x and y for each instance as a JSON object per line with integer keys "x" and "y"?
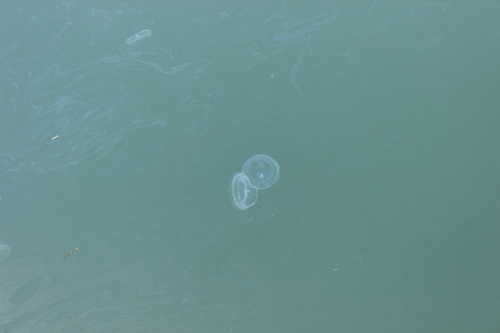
{"x": 262, "y": 171}
{"x": 242, "y": 193}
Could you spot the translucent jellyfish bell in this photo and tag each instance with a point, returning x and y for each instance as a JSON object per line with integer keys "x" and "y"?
{"x": 138, "y": 36}
{"x": 4, "y": 251}
{"x": 262, "y": 171}
{"x": 242, "y": 193}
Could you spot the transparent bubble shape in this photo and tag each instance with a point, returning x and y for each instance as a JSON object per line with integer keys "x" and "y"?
{"x": 4, "y": 251}
{"x": 262, "y": 171}
{"x": 242, "y": 193}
